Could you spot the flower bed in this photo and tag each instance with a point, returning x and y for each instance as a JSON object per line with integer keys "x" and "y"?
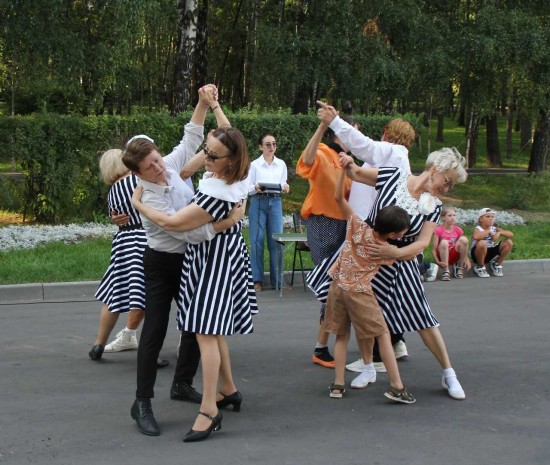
{"x": 28, "y": 237}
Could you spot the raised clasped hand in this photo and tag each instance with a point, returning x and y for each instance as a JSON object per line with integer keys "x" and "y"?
{"x": 326, "y": 113}
{"x": 345, "y": 160}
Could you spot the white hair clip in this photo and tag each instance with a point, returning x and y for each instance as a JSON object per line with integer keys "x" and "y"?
{"x": 140, "y": 136}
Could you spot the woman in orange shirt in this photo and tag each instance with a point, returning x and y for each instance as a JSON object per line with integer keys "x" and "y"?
{"x": 326, "y": 225}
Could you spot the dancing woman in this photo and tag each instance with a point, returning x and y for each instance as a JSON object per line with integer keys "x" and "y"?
{"x": 217, "y": 295}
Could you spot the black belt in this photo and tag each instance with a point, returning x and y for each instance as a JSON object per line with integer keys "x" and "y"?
{"x": 130, "y": 227}
{"x": 262, "y": 194}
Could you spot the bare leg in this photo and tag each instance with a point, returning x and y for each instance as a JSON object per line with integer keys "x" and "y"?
{"x": 107, "y": 321}
{"x": 481, "y": 252}
{"x": 462, "y": 249}
{"x": 365, "y": 347}
{"x": 135, "y": 317}
{"x": 211, "y": 361}
{"x": 388, "y": 357}
{"x": 322, "y": 336}
{"x": 505, "y": 248}
{"x": 340, "y": 348}
{"x": 433, "y": 340}
{"x": 443, "y": 252}
{"x": 227, "y": 385}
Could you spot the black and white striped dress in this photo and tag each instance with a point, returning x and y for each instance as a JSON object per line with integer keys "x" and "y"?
{"x": 398, "y": 287}
{"x": 122, "y": 287}
{"x": 217, "y": 293}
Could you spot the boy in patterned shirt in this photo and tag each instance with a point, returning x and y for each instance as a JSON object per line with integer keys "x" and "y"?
{"x": 351, "y": 299}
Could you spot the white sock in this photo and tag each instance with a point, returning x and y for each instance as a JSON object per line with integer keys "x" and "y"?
{"x": 128, "y": 330}
{"x": 368, "y": 367}
{"x": 320, "y": 346}
{"x": 450, "y": 378}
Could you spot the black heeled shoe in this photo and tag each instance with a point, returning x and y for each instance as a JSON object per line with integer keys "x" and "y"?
{"x": 194, "y": 436}
{"x": 235, "y": 399}
{"x": 96, "y": 352}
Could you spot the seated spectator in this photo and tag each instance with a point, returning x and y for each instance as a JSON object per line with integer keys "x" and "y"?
{"x": 486, "y": 249}
{"x": 450, "y": 246}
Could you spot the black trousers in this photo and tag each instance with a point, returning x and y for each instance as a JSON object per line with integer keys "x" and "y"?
{"x": 162, "y": 280}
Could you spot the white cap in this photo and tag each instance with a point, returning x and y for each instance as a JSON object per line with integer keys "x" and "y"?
{"x": 485, "y": 211}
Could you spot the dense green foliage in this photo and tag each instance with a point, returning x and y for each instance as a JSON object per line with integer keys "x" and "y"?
{"x": 58, "y": 155}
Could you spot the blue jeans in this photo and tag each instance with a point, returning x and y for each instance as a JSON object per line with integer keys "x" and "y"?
{"x": 265, "y": 216}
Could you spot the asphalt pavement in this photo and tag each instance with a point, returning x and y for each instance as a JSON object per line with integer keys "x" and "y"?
{"x": 59, "y": 407}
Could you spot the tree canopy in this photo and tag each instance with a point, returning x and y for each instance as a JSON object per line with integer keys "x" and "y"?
{"x": 478, "y": 57}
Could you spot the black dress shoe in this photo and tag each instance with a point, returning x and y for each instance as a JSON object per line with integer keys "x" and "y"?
{"x": 194, "y": 435}
{"x": 234, "y": 399}
{"x": 96, "y": 352}
{"x": 142, "y": 412}
{"x": 184, "y": 391}
{"x": 161, "y": 363}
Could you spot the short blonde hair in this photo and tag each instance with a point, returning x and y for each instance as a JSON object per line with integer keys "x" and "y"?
{"x": 111, "y": 167}
{"x": 448, "y": 159}
{"x": 399, "y": 131}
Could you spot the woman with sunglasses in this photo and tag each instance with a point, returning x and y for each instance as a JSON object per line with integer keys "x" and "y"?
{"x": 265, "y": 215}
{"x": 217, "y": 297}
{"x": 398, "y": 287}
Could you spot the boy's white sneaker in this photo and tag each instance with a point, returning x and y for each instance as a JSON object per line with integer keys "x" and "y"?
{"x": 495, "y": 268}
{"x": 481, "y": 271}
{"x": 364, "y": 379}
{"x": 124, "y": 340}
{"x": 431, "y": 274}
{"x": 357, "y": 366}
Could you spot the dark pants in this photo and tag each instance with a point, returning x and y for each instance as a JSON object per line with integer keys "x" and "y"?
{"x": 162, "y": 280}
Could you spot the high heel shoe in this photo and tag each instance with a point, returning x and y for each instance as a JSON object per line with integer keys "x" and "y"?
{"x": 96, "y": 352}
{"x": 234, "y": 399}
{"x": 194, "y": 436}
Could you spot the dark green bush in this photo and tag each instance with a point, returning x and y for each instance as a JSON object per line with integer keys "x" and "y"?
{"x": 59, "y": 154}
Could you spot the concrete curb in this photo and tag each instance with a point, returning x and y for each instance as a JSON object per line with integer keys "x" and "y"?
{"x": 84, "y": 291}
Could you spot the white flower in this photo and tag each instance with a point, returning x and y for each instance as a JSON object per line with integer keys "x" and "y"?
{"x": 427, "y": 204}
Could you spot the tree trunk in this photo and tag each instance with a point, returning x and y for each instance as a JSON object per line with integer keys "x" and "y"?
{"x": 471, "y": 139}
{"x": 187, "y": 11}
{"x": 200, "y": 68}
{"x": 509, "y": 125}
{"x": 541, "y": 144}
{"x": 493, "y": 144}
{"x": 525, "y": 131}
{"x": 440, "y": 126}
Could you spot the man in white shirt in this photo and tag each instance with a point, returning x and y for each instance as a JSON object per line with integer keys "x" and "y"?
{"x": 391, "y": 150}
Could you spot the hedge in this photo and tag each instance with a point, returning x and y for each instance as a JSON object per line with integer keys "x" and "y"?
{"x": 59, "y": 154}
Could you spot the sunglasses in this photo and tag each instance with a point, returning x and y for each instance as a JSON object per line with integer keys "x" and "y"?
{"x": 212, "y": 156}
{"x": 270, "y": 144}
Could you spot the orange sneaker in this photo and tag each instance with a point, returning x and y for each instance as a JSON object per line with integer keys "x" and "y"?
{"x": 322, "y": 357}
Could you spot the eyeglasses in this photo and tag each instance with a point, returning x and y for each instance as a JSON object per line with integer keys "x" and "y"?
{"x": 448, "y": 182}
{"x": 270, "y": 144}
{"x": 212, "y": 156}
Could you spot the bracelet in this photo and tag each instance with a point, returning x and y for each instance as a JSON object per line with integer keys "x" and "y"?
{"x": 217, "y": 106}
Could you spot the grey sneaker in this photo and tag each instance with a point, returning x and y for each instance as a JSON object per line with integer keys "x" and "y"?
{"x": 481, "y": 271}
{"x": 496, "y": 269}
{"x": 431, "y": 274}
